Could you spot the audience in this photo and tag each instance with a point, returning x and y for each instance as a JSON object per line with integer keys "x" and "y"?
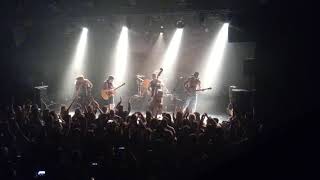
{"x": 90, "y": 144}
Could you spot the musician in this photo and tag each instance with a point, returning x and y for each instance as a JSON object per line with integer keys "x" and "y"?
{"x": 83, "y": 90}
{"x": 108, "y": 85}
{"x": 191, "y": 85}
{"x": 154, "y": 85}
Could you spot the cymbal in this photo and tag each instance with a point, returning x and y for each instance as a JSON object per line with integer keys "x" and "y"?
{"x": 139, "y": 75}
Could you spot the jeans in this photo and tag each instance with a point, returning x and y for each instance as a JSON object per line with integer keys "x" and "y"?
{"x": 191, "y": 103}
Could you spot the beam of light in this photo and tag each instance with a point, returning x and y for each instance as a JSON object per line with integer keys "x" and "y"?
{"x": 215, "y": 57}
{"x": 76, "y": 67}
{"x": 155, "y": 54}
{"x": 80, "y": 53}
{"x": 171, "y": 54}
{"x": 121, "y": 56}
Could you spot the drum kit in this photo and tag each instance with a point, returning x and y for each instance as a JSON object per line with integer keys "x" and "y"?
{"x": 141, "y": 100}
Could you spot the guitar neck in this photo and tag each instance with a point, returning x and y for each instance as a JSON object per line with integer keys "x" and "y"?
{"x": 118, "y": 87}
{"x": 203, "y": 89}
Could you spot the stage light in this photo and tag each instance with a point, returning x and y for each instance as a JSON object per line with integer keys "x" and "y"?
{"x": 80, "y": 52}
{"x": 161, "y": 29}
{"x": 76, "y": 67}
{"x": 180, "y": 24}
{"x": 121, "y": 56}
{"x": 157, "y": 51}
{"x": 214, "y": 60}
{"x": 171, "y": 54}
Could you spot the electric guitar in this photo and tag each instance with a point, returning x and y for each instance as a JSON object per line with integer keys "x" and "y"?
{"x": 107, "y": 93}
{"x": 190, "y": 93}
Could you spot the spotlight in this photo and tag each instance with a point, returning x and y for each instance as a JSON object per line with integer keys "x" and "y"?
{"x": 214, "y": 60}
{"x": 121, "y": 56}
{"x": 170, "y": 57}
{"x": 76, "y": 67}
{"x": 180, "y": 24}
{"x": 80, "y": 52}
{"x": 161, "y": 29}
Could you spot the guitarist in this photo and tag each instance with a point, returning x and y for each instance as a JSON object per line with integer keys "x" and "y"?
{"x": 191, "y": 85}
{"x": 108, "y": 85}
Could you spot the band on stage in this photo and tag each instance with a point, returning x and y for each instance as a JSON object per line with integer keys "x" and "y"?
{"x": 150, "y": 92}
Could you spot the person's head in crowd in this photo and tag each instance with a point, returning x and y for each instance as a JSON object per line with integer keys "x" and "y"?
{"x": 179, "y": 115}
{"x": 111, "y": 113}
{"x": 194, "y": 126}
{"x": 120, "y": 108}
{"x": 35, "y": 114}
{"x": 148, "y": 117}
{"x": 104, "y": 109}
{"x": 186, "y": 130}
{"x": 89, "y": 109}
{"x": 192, "y": 117}
{"x": 185, "y": 122}
{"x": 198, "y": 116}
{"x": 211, "y": 122}
{"x": 167, "y": 116}
{"x": 77, "y": 112}
{"x": 163, "y": 123}
{"x": 133, "y": 120}
{"x": 154, "y": 123}
{"x": 53, "y": 115}
{"x": 216, "y": 120}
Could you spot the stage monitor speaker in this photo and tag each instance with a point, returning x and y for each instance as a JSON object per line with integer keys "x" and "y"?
{"x": 242, "y": 100}
{"x": 40, "y": 95}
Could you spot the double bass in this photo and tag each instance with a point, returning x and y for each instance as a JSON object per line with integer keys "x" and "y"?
{"x": 155, "y": 89}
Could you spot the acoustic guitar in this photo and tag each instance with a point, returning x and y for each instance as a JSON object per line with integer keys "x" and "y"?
{"x": 107, "y": 93}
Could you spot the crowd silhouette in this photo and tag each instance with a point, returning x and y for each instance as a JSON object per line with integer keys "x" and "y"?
{"x": 116, "y": 143}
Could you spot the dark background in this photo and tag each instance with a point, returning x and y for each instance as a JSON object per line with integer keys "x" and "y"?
{"x": 284, "y": 80}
